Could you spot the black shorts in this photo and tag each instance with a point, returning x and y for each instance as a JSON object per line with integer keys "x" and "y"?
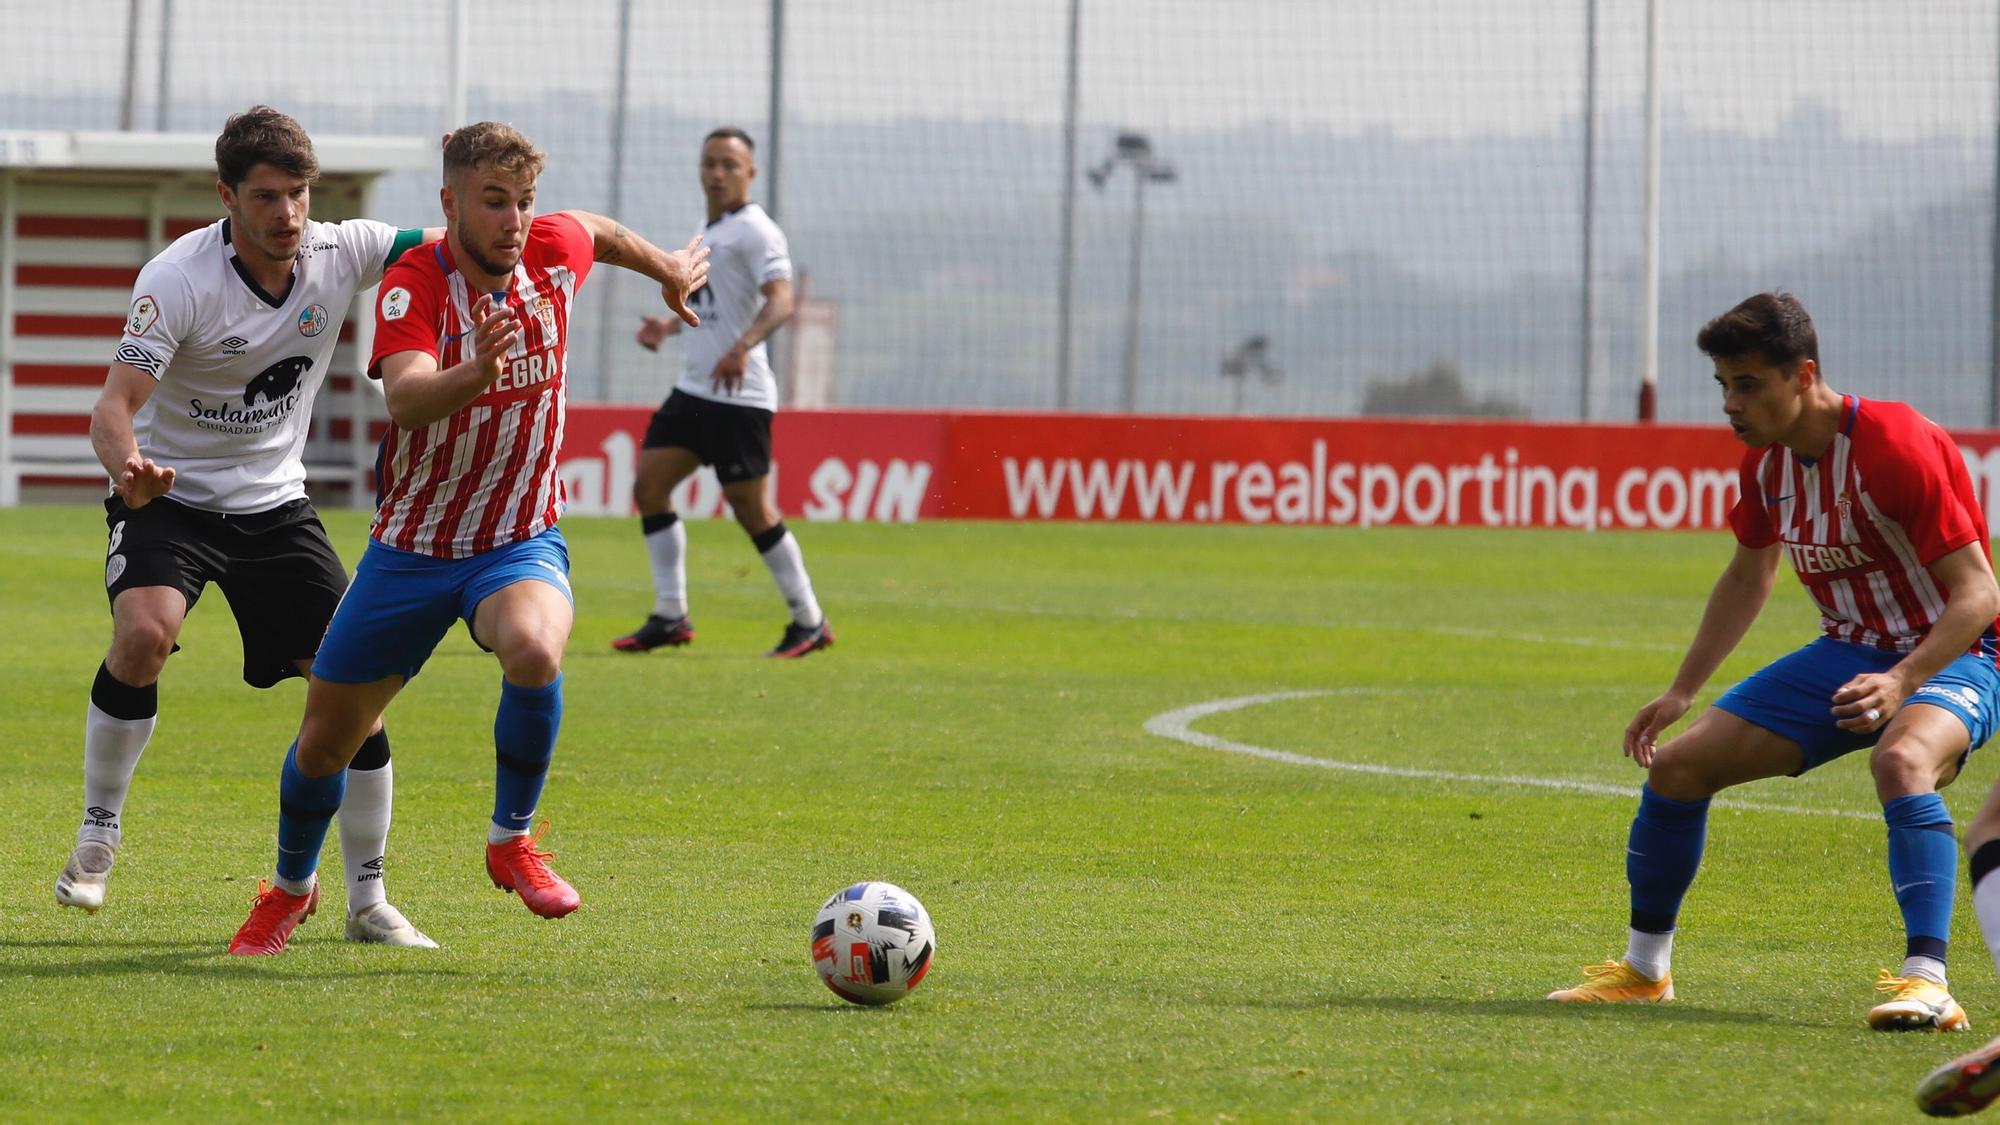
{"x": 276, "y": 568}
{"x": 736, "y": 440}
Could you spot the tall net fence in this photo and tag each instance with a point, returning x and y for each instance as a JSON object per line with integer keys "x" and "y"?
{"x": 1335, "y": 209}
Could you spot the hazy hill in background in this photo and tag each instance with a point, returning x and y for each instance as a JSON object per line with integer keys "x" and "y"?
{"x": 1360, "y": 255}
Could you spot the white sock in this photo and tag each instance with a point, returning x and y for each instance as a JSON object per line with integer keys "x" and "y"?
{"x": 668, "y": 551}
{"x": 1929, "y": 968}
{"x": 498, "y": 835}
{"x": 788, "y": 570}
{"x": 1651, "y": 954}
{"x": 111, "y": 749}
{"x": 1986, "y": 904}
{"x": 294, "y": 886}
{"x": 364, "y": 834}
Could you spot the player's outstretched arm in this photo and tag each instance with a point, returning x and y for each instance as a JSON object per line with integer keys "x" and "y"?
{"x": 1971, "y": 602}
{"x": 679, "y": 273}
{"x": 418, "y": 393}
{"x": 137, "y": 478}
{"x": 1739, "y": 595}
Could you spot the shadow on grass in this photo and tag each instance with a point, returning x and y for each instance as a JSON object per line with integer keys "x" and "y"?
{"x": 821, "y": 1009}
{"x": 140, "y": 957}
{"x": 1516, "y": 1008}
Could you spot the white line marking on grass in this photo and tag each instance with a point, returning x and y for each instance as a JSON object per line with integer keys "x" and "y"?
{"x": 1178, "y": 725}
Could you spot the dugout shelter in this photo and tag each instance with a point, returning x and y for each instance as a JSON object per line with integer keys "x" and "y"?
{"x": 80, "y": 213}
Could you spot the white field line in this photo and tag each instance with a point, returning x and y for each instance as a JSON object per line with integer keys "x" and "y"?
{"x": 1178, "y": 725}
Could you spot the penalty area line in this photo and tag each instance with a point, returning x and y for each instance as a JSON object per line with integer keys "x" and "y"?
{"x": 1178, "y": 725}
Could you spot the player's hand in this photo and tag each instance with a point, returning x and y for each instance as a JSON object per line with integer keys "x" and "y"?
{"x": 653, "y": 330}
{"x": 140, "y": 480}
{"x": 1868, "y": 701}
{"x": 1642, "y": 734}
{"x": 727, "y": 378}
{"x": 496, "y": 335}
{"x": 687, "y": 271}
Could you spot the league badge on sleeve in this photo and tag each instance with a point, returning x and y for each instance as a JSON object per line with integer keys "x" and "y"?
{"x": 395, "y": 303}
{"x": 145, "y": 312}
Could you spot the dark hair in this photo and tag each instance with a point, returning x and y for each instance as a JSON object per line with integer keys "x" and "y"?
{"x": 730, "y": 133}
{"x": 1772, "y": 325}
{"x": 262, "y": 135}
{"x": 506, "y": 149}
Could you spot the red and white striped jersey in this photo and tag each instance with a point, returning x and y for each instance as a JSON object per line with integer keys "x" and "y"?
{"x": 1863, "y": 521}
{"x": 485, "y": 476}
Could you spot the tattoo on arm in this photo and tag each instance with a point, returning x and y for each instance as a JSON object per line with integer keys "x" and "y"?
{"x": 615, "y": 252}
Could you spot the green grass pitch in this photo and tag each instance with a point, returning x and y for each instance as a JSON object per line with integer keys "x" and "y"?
{"x": 1130, "y": 927}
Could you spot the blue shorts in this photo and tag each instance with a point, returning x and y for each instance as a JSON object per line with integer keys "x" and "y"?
{"x": 1793, "y": 696}
{"x": 401, "y": 604}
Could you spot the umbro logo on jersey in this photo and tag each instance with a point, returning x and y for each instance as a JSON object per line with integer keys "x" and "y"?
{"x": 234, "y": 345}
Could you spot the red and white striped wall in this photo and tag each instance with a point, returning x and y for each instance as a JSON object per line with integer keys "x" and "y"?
{"x": 79, "y": 214}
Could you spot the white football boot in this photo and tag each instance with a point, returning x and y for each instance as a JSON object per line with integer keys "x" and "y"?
{"x": 86, "y": 875}
{"x": 382, "y": 924}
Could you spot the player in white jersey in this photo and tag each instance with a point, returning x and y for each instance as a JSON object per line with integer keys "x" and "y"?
{"x": 201, "y": 425}
{"x": 719, "y": 414}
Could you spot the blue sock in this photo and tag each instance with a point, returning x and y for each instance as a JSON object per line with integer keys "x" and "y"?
{"x": 524, "y": 739}
{"x": 305, "y": 807}
{"x": 1661, "y": 857}
{"x": 1923, "y": 870}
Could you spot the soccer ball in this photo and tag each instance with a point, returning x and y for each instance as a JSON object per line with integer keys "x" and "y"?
{"x": 872, "y": 943}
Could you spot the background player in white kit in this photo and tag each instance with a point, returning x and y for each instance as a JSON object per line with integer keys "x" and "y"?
{"x": 201, "y": 424}
{"x": 720, "y": 412}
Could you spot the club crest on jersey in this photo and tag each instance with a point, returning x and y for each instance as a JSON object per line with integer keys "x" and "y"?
{"x": 546, "y": 313}
{"x": 395, "y": 303}
{"x": 312, "y": 321}
{"x": 145, "y": 312}
{"x": 1844, "y": 513}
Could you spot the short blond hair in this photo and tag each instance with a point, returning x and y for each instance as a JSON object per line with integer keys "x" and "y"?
{"x": 502, "y": 148}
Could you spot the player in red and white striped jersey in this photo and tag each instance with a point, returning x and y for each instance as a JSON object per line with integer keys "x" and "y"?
{"x": 471, "y": 346}
{"x": 483, "y": 475}
{"x": 1859, "y": 521}
{"x": 1873, "y": 506}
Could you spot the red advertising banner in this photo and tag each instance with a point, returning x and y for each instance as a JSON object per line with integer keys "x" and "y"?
{"x": 826, "y": 464}
{"x": 888, "y": 465}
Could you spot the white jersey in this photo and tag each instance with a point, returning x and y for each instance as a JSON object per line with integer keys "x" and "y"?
{"x": 238, "y": 367}
{"x": 746, "y": 251}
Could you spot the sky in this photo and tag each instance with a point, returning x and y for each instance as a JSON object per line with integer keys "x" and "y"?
{"x": 1445, "y": 69}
